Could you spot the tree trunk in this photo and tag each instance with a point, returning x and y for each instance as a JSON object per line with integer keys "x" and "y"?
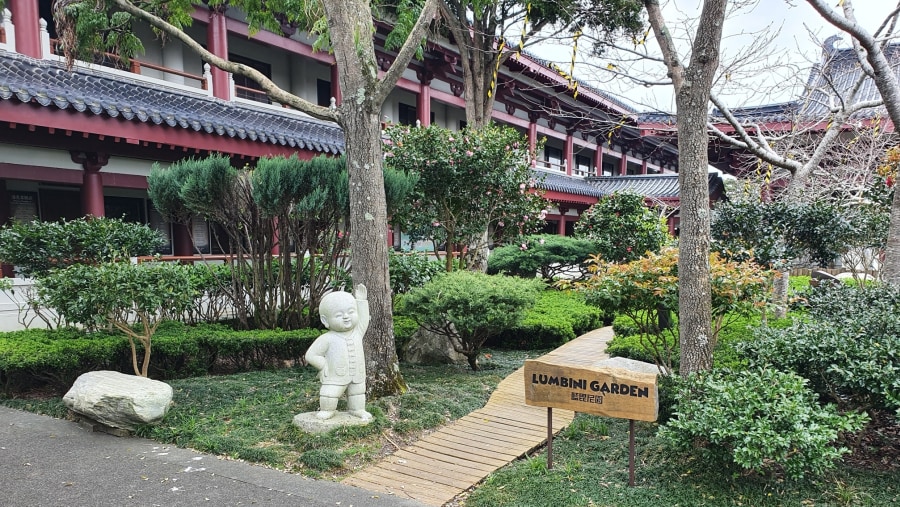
{"x": 350, "y": 23}
{"x": 692, "y": 93}
{"x": 780, "y": 294}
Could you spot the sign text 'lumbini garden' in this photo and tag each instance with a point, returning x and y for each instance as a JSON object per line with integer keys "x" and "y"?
{"x": 611, "y": 388}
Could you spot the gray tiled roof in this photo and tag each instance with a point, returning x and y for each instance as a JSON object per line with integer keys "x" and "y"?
{"x": 839, "y": 72}
{"x": 647, "y": 185}
{"x": 566, "y": 184}
{"x": 50, "y": 85}
{"x": 659, "y": 186}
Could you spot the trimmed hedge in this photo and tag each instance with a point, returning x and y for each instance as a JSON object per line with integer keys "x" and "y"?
{"x": 55, "y": 358}
{"x": 556, "y": 317}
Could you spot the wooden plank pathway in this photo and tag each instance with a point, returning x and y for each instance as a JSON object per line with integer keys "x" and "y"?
{"x": 443, "y": 464}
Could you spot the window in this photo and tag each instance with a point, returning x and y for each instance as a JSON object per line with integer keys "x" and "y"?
{"x": 553, "y": 157}
{"x": 407, "y": 114}
{"x": 323, "y": 92}
{"x": 583, "y": 165}
{"x": 246, "y": 88}
{"x": 608, "y": 168}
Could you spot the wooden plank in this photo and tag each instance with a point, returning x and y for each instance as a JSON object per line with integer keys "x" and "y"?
{"x": 441, "y": 474}
{"x": 441, "y": 458}
{"x": 374, "y": 483}
{"x": 447, "y": 462}
{"x": 462, "y": 453}
{"x": 500, "y": 428}
{"x": 411, "y": 483}
{"x": 483, "y": 448}
{"x": 454, "y": 442}
{"x": 418, "y": 460}
{"x": 491, "y": 433}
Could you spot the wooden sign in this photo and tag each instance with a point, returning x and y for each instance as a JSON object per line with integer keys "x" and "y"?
{"x": 615, "y": 387}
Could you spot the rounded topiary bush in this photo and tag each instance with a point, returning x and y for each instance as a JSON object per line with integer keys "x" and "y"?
{"x": 468, "y": 308}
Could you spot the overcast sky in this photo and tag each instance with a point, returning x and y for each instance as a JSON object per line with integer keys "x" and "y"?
{"x": 773, "y": 75}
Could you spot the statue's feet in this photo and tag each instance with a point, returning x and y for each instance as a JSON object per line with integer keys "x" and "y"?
{"x": 362, "y": 414}
{"x": 324, "y": 414}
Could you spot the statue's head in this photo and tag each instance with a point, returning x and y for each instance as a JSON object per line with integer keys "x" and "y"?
{"x": 338, "y": 311}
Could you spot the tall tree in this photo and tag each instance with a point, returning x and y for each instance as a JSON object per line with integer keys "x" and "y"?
{"x": 478, "y": 26}
{"x": 693, "y": 86}
{"x": 350, "y": 32}
{"x": 871, "y": 55}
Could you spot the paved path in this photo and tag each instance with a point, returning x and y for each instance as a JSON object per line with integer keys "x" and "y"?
{"x": 46, "y": 462}
{"x": 440, "y": 466}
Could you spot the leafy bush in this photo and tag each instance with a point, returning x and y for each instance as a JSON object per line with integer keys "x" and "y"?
{"x": 622, "y": 227}
{"x": 468, "y": 308}
{"x": 777, "y": 233}
{"x": 555, "y": 318}
{"x": 646, "y": 291}
{"x": 761, "y": 420}
{"x": 546, "y": 255}
{"x": 410, "y": 270}
{"x": 38, "y": 247}
{"x": 848, "y": 348}
{"x": 120, "y": 294}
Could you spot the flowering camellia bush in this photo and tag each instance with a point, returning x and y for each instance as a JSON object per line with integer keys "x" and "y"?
{"x": 470, "y": 182}
{"x": 622, "y": 227}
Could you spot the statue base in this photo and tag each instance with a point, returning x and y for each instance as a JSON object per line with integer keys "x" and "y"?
{"x": 308, "y": 422}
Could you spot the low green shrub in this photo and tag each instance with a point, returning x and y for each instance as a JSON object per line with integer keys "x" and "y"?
{"x": 640, "y": 347}
{"x": 623, "y": 325}
{"x": 54, "y": 358}
{"x": 37, "y": 357}
{"x": 761, "y": 420}
{"x": 848, "y": 346}
{"x": 555, "y": 318}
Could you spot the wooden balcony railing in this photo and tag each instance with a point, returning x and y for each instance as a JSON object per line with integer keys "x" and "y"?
{"x": 135, "y": 66}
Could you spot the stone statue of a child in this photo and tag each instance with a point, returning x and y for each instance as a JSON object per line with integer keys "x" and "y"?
{"x": 338, "y": 354}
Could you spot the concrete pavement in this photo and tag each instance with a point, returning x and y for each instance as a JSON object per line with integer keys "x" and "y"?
{"x": 47, "y": 462}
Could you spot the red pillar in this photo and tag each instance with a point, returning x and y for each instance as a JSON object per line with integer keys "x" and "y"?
{"x": 217, "y": 41}
{"x": 532, "y": 134}
{"x": 181, "y": 240}
{"x": 26, "y": 19}
{"x": 561, "y": 226}
{"x": 644, "y": 166}
{"x": 335, "y": 84}
{"x": 91, "y": 181}
{"x": 569, "y": 152}
{"x": 423, "y": 99}
{"x": 92, "y": 193}
{"x": 623, "y": 164}
{"x": 598, "y": 159}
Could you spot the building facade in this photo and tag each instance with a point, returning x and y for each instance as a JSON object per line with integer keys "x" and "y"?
{"x": 82, "y": 141}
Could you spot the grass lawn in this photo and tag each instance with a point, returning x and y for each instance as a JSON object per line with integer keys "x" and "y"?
{"x": 248, "y": 416}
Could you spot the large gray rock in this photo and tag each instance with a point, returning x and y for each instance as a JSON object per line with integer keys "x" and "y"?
{"x": 119, "y": 400}
{"x": 427, "y": 348}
